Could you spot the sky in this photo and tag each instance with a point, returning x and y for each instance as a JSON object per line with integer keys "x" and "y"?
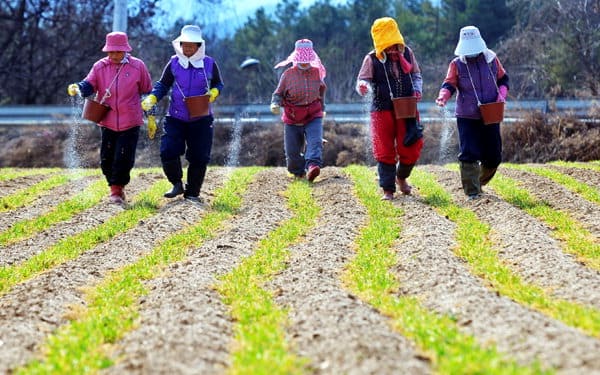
{"x": 234, "y": 12}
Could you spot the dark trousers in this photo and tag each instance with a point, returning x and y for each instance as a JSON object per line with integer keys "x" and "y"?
{"x": 479, "y": 142}
{"x": 117, "y": 154}
{"x": 194, "y": 139}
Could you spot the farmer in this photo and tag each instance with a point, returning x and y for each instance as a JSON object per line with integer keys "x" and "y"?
{"x": 478, "y": 77}
{"x": 300, "y": 92}
{"x": 118, "y": 80}
{"x": 391, "y": 70}
{"x": 189, "y": 74}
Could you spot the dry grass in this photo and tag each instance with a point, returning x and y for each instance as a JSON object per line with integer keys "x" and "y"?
{"x": 538, "y": 138}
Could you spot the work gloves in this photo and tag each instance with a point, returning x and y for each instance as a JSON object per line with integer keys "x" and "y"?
{"x": 214, "y": 92}
{"x": 502, "y": 92}
{"x": 149, "y": 102}
{"x": 73, "y": 89}
{"x": 151, "y": 126}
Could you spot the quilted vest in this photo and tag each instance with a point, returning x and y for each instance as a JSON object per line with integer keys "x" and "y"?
{"x": 484, "y": 80}
{"x": 401, "y": 86}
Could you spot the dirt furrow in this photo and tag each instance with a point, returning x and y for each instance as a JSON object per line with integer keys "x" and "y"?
{"x": 46, "y": 201}
{"x": 528, "y": 246}
{"x": 37, "y": 307}
{"x": 429, "y": 270}
{"x": 85, "y": 220}
{"x": 560, "y": 198}
{"x": 586, "y": 176}
{"x": 338, "y": 333}
{"x": 184, "y": 326}
{"x": 11, "y": 186}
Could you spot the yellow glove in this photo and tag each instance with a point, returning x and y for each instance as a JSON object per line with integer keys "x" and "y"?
{"x": 73, "y": 89}
{"x": 149, "y": 102}
{"x": 214, "y": 92}
{"x": 275, "y": 109}
{"x": 151, "y": 126}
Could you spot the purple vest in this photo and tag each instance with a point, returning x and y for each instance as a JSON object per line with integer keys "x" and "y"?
{"x": 192, "y": 81}
{"x": 484, "y": 79}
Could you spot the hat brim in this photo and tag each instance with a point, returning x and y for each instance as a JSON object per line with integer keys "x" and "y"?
{"x": 470, "y": 47}
{"x": 126, "y": 48}
{"x": 188, "y": 39}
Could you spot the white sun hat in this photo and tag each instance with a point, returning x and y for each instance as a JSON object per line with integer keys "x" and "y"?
{"x": 470, "y": 42}
{"x": 190, "y": 33}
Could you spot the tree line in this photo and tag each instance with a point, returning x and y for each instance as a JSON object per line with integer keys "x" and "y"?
{"x": 550, "y": 48}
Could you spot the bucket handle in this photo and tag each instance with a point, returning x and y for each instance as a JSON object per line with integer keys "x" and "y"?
{"x": 107, "y": 93}
{"x": 388, "y": 79}
{"x": 181, "y": 91}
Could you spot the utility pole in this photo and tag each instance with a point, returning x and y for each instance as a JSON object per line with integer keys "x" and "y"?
{"x": 120, "y": 16}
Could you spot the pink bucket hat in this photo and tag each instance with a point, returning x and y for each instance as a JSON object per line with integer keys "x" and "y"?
{"x": 116, "y": 41}
{"x": 304, "y": 52}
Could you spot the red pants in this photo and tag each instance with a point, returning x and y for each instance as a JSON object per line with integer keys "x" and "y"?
{"x": 387, "y": 134}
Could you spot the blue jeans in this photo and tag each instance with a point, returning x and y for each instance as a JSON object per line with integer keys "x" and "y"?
{"x": 296, "y": 137}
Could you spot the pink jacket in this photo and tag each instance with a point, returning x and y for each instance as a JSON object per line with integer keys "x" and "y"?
{"x": 132, "y": 81}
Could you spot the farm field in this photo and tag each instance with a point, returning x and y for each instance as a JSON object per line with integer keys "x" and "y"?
{"x": 275, "y": 276}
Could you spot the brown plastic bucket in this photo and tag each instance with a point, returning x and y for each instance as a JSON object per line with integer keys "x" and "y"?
{"x": 492, "y": 113}
{"x": 197, "y": 105}
{"x": 94, "y": 111}
{"x": 405, "y": 107}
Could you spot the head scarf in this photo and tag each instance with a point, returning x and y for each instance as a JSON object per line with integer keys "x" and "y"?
{"x": 385, "y": 33}
{"x": 192, "y": 34}
{"x": 304, "y": 54}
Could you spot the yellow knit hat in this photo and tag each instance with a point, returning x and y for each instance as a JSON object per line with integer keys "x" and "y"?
{"x": 385, "y": 33}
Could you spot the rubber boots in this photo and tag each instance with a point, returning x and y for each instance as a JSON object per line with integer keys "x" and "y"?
{"x": 195, "y": 178}
{"x": 402, "y": 173}
{"x": 486, "y": 175}
{"x": 469, "y": 176}
{"x": 176, "y": 190}
{"x": 172, "y": 169}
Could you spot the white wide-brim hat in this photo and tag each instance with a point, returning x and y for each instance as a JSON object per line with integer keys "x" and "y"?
{"x": 470, "y": 42}
{"x": 189, "y": 33}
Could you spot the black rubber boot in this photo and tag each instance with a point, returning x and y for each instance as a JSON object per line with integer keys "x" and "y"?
{"x": 469, "y": 175}
{"x": 195, "y": 178}
{"x": 176, "y": 190}
{"x": 486, "y": 175}
{"x": 172, "y": 169}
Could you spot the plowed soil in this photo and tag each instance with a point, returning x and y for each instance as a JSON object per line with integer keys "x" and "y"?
{"x": 184, "y": 327}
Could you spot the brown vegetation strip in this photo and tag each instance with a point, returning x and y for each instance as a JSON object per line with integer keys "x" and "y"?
{"x": 37, "y": 307}
{"x": 429, "y": 270}
{"x": 338, "y": 333}
{"x": 184, "y": 326}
